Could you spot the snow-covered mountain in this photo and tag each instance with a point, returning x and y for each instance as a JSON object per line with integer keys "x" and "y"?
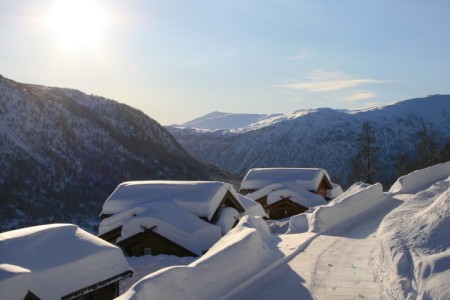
{"x": 221, "y": 120}
{"x": 322, "y": 137}
{"x": 63, "y": 152}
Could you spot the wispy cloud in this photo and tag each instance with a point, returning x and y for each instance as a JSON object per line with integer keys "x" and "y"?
{"x": 301, "y": 56}
{"x": 326, "y": 81}
{"x": 357, "y": 96}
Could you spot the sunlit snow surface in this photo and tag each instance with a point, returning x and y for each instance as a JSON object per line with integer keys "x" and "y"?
{"x": 383, "y": 245}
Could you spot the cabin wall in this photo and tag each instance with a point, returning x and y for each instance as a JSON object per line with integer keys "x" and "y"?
{"x": 283, "y": 209}
{"x": 154, "y": 244}
{"x": 107, "y": 292}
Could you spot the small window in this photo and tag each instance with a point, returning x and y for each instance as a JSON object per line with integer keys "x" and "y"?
{"x": 147, "y": 251}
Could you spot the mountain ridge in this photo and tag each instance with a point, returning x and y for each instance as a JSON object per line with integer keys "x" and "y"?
{"x": 63, "y": 152}
{"x": 322, "y": 137}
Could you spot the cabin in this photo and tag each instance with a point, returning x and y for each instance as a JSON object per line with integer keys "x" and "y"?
{"x": 284, "y": 192}
{"x": 59, "y": 261}
{"x": 182, "y": 218}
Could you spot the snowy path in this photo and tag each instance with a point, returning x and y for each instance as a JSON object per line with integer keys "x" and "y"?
{"x": 333, "y": 266}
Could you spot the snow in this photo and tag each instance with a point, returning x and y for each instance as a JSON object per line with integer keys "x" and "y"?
{"x": 296, "y": 194}
{"x": 174, "y": 223}
{"x": 221, "y": 120}
{"x": 362, "y": 244}
{"x": 413, "y": 250}
{"x": 359, "y": 198}
{"x": 200, "y": 197}
{"x": 55, "y": 260}
{"x": 228, "y": 217}
{"x": 308, "y": 178}
{"x": 213, "y": 275}
{"x": 417, "y": 179}
{"x": 252, "y": 208}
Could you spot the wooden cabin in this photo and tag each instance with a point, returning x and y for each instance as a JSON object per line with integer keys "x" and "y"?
{"x": 291, "y": 190}
{"x": 81, "y": 265}
{"x": 145, "y": 224}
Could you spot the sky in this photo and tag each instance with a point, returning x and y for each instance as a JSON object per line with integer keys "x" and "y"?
{"x": 177, "y": 60}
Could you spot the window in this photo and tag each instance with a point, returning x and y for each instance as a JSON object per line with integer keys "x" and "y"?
{"x": 147, "y": 251}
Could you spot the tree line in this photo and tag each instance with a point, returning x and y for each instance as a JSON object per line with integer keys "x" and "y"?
{"x": 429, "y": 148}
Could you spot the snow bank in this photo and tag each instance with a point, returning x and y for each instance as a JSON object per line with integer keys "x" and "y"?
{"x": 420, "y": 178}
{"x": 359, "y": 198}
{"x": 413, "y": 243}
{"x": 55, "y": 260}
{"x": 299, "y": 223}
{"x": 212, "y": 276}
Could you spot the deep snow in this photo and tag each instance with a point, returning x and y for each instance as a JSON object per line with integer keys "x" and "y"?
{"x": 341, "y": 252}
{"x": 55, "y": 260}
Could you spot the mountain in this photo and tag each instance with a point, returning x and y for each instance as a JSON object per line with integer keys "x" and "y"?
{"x": 322, "y": 138}
{"x": 221, "y": 120}
{"x": 63, "y": 152}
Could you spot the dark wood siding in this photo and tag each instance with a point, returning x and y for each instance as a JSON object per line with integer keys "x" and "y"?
{"x": 112, "y": 235}
{"x": 151, "y": 243}
{"x": 283, "y": 209}
{"x": 323, "y": 187}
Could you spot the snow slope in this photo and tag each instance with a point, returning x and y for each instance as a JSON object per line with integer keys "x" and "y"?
{"x": 413, "y": 250}
{"x": 221, "y": 120}
{"x": 63, "y": 152}
{"x": 322, "y": 138}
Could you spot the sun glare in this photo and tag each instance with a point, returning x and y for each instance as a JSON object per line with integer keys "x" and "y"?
{"x": 77, "y": 23}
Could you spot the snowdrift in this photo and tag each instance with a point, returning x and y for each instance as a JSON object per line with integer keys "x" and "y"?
{"x": 359, "y": 198}
{"x": 413, "y": 241}
{"x": 216, "y": 273}
{"x": 416, "y": 180}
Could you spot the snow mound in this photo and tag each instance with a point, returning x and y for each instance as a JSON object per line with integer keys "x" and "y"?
{"x": 420, "y": 178}
{"x": 213, "y": 275}
{"x": 55, "y": 260}
{"x": 252, "y": 208}
{"x": 359, "y": 198}
{"x": 413, "y": 243}
{"x": 299, "y": 223}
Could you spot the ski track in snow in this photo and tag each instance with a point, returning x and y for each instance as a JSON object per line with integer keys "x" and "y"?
{"x": 337, "y": 265}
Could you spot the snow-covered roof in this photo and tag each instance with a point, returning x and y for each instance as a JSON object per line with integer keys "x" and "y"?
{"x": 171, "y": 220}
{"x": 200, "y": 197}
{"x": 299, "y": 196}
{"x": 308, "y": 178}
{"x": 55, "y": 260}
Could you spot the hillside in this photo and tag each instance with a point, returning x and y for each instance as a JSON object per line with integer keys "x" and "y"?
{"x": 63, "y": 152}
{"x": 323, "y": 138}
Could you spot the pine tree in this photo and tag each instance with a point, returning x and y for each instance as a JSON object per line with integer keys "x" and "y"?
{"x": 365, "y": 162}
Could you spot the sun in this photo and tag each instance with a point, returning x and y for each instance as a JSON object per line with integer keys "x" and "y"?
{"x": 77, "y": 23}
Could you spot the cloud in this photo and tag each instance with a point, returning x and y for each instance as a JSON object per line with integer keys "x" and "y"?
{"x": 357, "y": 96}
{"x": 301, "y": 56}
{"x": 326, "y": 81}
